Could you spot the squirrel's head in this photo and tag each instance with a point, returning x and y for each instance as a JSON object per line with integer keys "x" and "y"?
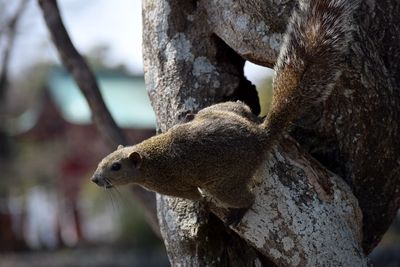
{"x": 120, "y": 167}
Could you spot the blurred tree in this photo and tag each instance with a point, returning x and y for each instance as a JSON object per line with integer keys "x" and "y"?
{"x": 88, "y": 85}
{"x": 8, "y": 30}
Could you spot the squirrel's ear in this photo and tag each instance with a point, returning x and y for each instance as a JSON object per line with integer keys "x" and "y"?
{"x": 119, "y": 147}
{"x": 136, "y": 159}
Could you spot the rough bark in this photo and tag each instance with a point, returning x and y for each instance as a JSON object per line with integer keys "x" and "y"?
{"x": 301, "y": 213}
{"x": 356, "y": 134}
{"x": 254, "y": 29}
{"x": 182, "y": 58}
{"x": 302, "y": 208}
{"x": 353, "y": 135}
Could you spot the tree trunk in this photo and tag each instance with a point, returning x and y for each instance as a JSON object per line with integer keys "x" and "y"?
{"x": 325, "y": 195}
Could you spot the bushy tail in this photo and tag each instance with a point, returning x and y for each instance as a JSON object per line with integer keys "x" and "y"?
{"x": 310, "y": 60}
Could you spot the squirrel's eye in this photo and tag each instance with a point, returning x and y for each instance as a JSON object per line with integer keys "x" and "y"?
{"x": 115, "y": 167}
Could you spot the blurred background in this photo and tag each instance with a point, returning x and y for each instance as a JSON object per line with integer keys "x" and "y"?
{"x": 50, "y": 213}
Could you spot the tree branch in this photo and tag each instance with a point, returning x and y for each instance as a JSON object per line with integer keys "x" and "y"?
{"x": 301, "y": 212}
{"x": 10, "y": 30}
{"x": 356, "y": 133}
{"x": 87, "y": 83}
{"x": 304, "y": 215}
{"x": 343, "y": 133}
{"x": 254, "y": 29}
{"x": 81, "y": 72}
{"x": 301, "y": 209}
{"x": 178, "y": 66}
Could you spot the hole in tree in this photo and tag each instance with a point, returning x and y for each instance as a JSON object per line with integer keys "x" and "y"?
{"x": 261, "y": 77}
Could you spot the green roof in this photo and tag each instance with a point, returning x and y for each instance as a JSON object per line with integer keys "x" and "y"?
{"x": 124, "y": 95}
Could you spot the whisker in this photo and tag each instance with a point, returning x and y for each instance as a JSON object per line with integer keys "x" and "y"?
{"x": 110, "y": 197}
{"x": 109, "y": 187}
{"x": 121, "y": 196}
{"x": 108, "y": 183}
{"x": 112, "y": 192}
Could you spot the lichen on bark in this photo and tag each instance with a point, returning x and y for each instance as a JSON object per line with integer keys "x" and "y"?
{"x": 343, "y": 156}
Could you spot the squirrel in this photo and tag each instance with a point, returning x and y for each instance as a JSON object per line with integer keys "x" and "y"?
{"x": 220, "y": 147}
{"x": 215, "y": 151}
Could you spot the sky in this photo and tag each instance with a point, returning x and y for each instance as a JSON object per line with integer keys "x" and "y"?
{"x": 90, "y": 23}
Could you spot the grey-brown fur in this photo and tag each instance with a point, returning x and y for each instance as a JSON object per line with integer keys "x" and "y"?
{"x": 310, "y": 60}
{"x": 218, "y": 151}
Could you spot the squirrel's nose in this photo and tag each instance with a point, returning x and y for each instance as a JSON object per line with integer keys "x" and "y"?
{"x": 95, "y": 179}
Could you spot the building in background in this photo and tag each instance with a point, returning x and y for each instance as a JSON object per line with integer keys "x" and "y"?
{"x": 59, "y": 147}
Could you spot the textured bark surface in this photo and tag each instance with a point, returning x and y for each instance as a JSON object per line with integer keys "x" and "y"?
{"x": 182, "y": 58}
{"x": 254, "y": 29}
{"x": 188, "y": 67}
{"x": 357, "y": 135}
{"x": 301, "y": 213}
